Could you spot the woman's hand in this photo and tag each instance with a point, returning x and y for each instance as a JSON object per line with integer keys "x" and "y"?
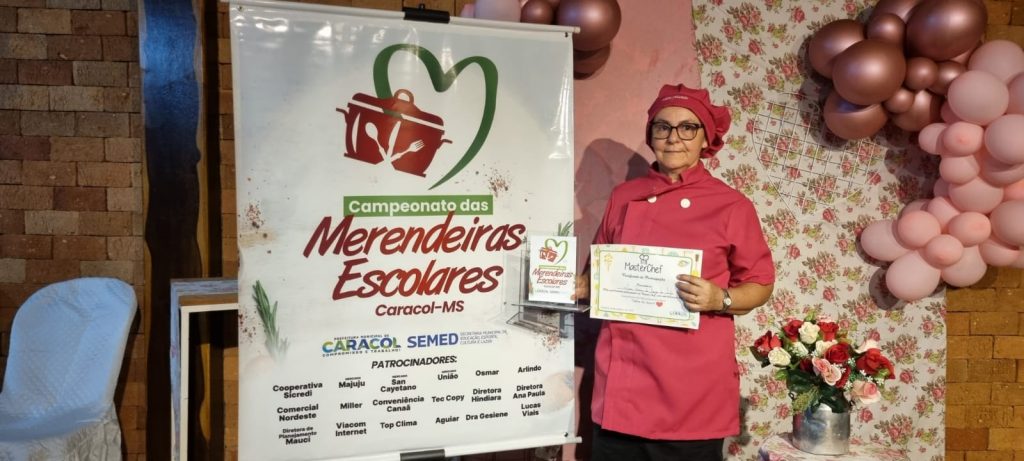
{"x": 700, "y": 295}
{"x": 582, "y": 286}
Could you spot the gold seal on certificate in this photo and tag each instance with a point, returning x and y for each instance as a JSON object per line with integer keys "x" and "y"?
{"x": 633, "y": 283}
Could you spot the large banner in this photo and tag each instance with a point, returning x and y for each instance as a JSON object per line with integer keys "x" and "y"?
{"x": 389, "y": 175}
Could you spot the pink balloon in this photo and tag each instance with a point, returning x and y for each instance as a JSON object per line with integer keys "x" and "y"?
{"x": 911, "y": 278}
{"x": 978, "y": 97}
{"x": 942, "y": 209}
{"x": 962, "y": 138}
{"x": 878, "y": 240}
{"x": 970, "y": 228}
{"x": 1016, "y": 88}
{"x": 1019, "y": 263}
{"x": 941, "y": 188}
{"x": 943, "y": 251}
{"x": 468, "y": 11}
{"x": 999, "y": 254}
{"x": 916, "y": 205}
{"x": 929, "y": 138}
{"x": 967, "y": 271}
{"x": 1001, "y": 58}
{"x": 1014, "y": 191}
{"x": 958, "y": 170}
{"x": 947, "y": 115}
{"x": 998, "y": 173}
{"x": 1008, "y": 222}
{"x": 1004, "y": 138}
{"x": 498, "y": 10}
{"x": 975, "y": 195}
{"x": 916, "y": 228}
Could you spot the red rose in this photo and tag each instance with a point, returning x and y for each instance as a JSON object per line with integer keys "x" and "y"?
{"x": 806, "y": 365}
{"x": 765, "y": 344}
{"x": 844, "y": 378}
{"x": 872, "y": 362}
{"x": 828, "y": 330}
{"x": 792, "y": 329}
{"x": 838, "y": 354}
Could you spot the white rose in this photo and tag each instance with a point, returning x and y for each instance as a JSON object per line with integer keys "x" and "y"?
{"x": 809, "y": 332}
{"x": 779, "y": 357}
{"x": 868, "y": 344}
{"x": 798, "y": 349}
{"x": 822, "y": 346}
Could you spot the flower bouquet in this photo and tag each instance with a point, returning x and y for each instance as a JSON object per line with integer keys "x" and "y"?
{"x": 822, "y": 369}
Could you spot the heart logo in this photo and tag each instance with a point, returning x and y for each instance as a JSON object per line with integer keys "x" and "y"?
{"x": 561, "y": 245}
{"x": 442, "y": 80}
{"x": 658, "y": 303}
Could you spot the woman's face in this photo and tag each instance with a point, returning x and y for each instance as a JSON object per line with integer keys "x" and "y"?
{"x": 673, "y": 153}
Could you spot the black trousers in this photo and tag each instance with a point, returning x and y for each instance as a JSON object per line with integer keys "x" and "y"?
{"x": 615, "y": 446}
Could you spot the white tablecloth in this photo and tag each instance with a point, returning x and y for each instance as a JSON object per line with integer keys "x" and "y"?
{"x": 778, "y": 448}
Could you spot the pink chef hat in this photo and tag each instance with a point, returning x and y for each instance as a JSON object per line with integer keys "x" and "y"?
{"x": 715, "y": 119}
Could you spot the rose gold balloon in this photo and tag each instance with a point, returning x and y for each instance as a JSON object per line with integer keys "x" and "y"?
{"x": 553, "y": 3}
{"x": 944, "y": 75}
{"x": 869, "y": 72}
{"x": 921, "y": 73}
{"x": 965, "y": 57}
{"x": 852, "y": 121}
{"x": 886, "y": 27}
{"x": 923, "y": 112}
{"x": 833, "y": 38}
{"x": 598, "y": 20}
{"x": 537, "y": 12}
{"x": 900, "y": 8}
{"x": 944, "y": 29}
{"x": 900, "y": 101}
{"x": 588, "y": 62}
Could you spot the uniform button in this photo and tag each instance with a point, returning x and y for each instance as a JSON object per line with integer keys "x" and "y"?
{"x": 685, "y": 203}
{"x": 652, "y": 199}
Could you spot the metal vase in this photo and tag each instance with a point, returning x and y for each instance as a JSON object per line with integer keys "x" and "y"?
{"x": 821, "y": 432}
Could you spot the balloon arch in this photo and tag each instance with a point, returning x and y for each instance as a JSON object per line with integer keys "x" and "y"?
{"x": 922, "y": 65}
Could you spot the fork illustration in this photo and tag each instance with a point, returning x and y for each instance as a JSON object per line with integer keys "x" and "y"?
{"x": 414, "y": 147}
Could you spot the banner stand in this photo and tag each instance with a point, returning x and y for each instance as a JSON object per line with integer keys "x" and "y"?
{"x": 421, "y": 13}
{"x": 423, "y": 455}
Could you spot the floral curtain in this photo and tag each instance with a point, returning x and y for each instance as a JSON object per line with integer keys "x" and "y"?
{"x": 814, "y": 193}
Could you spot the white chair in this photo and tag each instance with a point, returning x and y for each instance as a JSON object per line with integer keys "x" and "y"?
{"x": 67, "y": 344}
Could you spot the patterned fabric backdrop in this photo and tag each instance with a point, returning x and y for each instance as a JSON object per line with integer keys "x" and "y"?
{"x": 814, "y": 194}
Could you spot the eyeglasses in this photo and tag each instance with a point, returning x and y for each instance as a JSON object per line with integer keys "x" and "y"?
{"x": 686, "y": 130}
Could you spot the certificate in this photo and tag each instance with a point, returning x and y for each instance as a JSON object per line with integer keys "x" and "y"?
{"x": 632, "y": 283}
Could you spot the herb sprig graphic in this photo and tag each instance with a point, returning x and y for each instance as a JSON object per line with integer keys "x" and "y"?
{"x": 565, "y": 230}
{"x": 276, "y": 345}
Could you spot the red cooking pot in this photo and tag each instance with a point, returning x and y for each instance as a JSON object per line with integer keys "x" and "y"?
{"x": 392, "y": 129}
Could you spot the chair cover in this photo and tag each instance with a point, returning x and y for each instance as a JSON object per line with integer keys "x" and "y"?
{"x": 67, "y": 344}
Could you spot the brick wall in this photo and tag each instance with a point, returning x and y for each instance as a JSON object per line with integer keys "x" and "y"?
{"x": 71, "y": 164}
{"x": 985, "y": 369}
{"x": 985, "y": 356}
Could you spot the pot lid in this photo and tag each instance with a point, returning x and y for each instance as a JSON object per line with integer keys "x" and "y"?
{"x": 400, "y": 105}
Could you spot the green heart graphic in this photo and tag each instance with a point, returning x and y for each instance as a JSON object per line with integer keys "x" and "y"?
{"x": 442, "y": 80}
{"x": 562, "y": 246}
